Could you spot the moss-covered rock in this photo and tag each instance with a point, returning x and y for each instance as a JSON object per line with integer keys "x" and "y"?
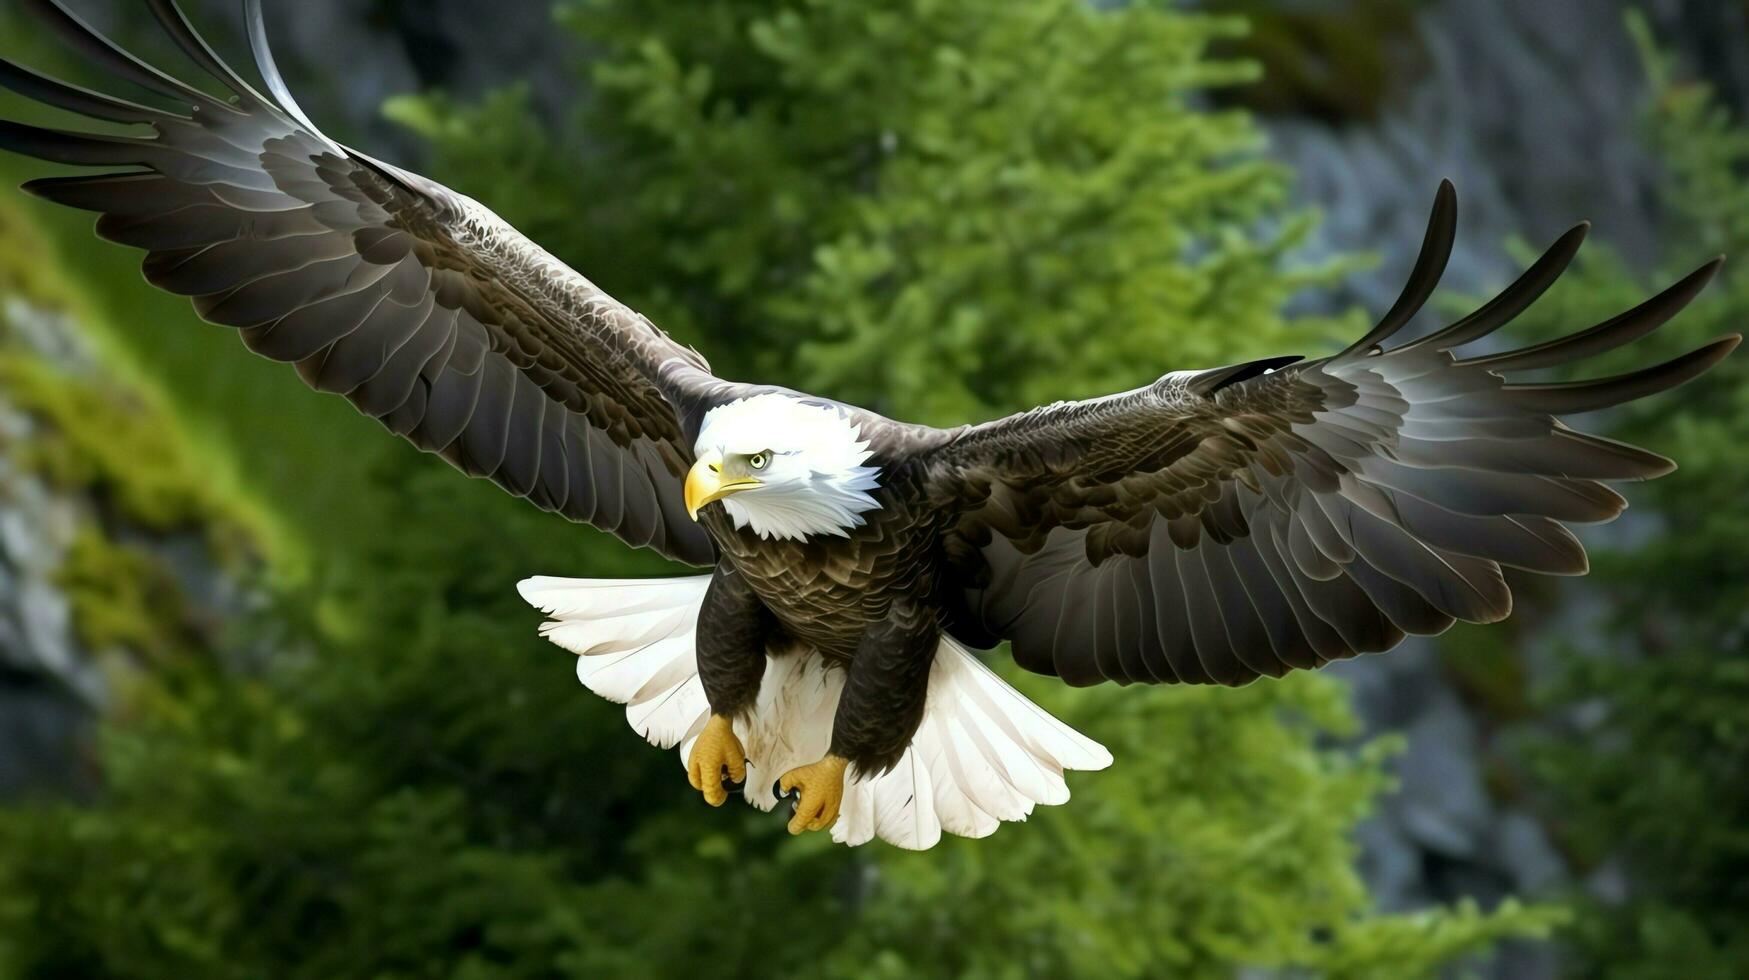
{"x": 125, "y": 598}
{"x": 127, "y": 536}
{"x": 105, "y": 442}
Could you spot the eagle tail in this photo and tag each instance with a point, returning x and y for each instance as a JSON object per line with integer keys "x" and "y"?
{"x": 633, "y": 640}
{"x": 983, "y": 754}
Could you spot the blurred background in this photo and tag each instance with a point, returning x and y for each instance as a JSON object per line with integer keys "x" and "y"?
{"x": 269, "y": 705}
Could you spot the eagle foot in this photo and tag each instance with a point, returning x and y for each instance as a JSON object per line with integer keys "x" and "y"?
{"x": 822, "y": 791}
{"x": 716, "y": 750}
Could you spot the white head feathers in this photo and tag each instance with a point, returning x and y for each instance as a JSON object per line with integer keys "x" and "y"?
{"x": 813, "y": 480}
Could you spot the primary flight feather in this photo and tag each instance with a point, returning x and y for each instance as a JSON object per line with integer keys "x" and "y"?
{"x": 1213, "y": 527}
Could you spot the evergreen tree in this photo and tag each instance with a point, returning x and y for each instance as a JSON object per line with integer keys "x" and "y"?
{"x": 937, "y": 209}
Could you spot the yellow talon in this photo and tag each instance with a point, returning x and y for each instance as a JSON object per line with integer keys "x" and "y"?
{"x": 717, "y": 749}
{"x": 822, "y": 786}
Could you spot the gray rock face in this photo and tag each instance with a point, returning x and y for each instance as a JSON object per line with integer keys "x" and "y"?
{"x": 49, "y": 686}
{"x": 1529, "y": 108}
{"x": 1533, "y": 110}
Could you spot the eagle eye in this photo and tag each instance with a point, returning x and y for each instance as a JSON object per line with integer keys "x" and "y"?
{"x": 758, "y": 460}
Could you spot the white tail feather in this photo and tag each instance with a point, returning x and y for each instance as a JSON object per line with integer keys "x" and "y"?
{"x": 983, "y": 753}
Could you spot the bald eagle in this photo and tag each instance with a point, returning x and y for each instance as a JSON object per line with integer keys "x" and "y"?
{"x": 1212, "y": 527}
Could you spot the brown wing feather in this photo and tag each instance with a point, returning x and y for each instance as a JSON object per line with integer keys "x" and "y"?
{"x": 417, "y": 304}
{"x": 1224, "y": 525}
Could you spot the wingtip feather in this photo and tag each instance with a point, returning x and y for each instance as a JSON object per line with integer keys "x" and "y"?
{"x": 1430, "y": 264}
{"x": 181, "y": 30}
{"x": 1512, "y": 300}
{"x": 1624, "y": 328}
{"x": 269, "y": 68}
{"x": 1575, "y": 397}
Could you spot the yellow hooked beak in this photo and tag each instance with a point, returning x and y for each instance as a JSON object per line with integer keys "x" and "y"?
{"x": 706, "y": 483}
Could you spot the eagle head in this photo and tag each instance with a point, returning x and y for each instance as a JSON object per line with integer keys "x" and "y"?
{"x": 784, "y": 466}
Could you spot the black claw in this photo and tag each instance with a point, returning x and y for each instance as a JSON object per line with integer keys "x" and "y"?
{"x": 777, "y": 791}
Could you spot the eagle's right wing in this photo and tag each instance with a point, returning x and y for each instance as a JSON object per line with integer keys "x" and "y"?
{"x": 423, "y": 308}
{"x": 1223, "y": 525}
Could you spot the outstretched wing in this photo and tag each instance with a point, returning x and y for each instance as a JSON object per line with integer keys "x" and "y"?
{"x": 1219, "y": 526}
{"x": 423, "y": 308}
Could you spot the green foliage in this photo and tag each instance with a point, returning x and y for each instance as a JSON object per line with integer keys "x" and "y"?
{"x": 1188, "y": 860}
{"x": 1657, "y": 778}
{"x": 434, "y": 796}
{"x": 940, "y": 209}
{"x": 932, "y": 208}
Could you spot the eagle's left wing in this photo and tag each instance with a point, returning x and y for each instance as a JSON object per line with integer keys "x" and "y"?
{"x": 420, "y": 306}
{"x": 1223, "y": 525}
